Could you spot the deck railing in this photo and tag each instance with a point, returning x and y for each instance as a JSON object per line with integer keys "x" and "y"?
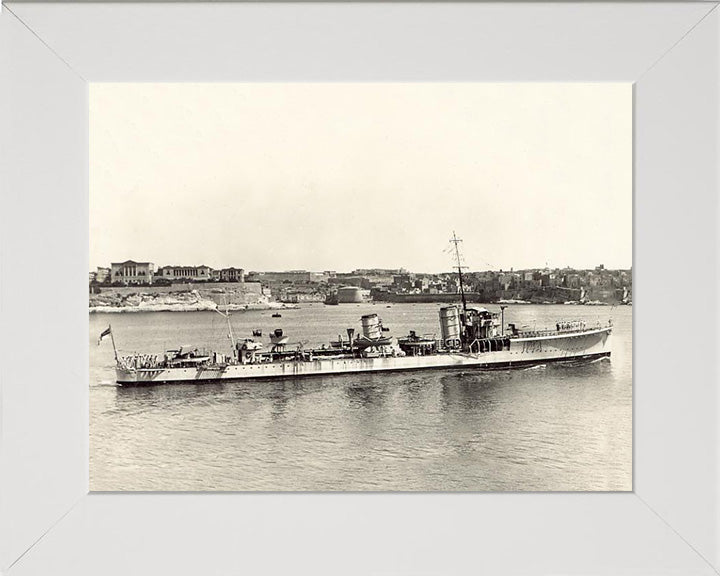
{"x": 538, "y": 333}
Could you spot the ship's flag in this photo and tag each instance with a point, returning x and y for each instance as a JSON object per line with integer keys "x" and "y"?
{"x": 105, "y": 332}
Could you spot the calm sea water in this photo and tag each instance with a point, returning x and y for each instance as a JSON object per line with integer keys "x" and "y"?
{"x": 551, "y": 428}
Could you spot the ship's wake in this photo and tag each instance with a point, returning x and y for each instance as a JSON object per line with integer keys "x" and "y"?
{"x": 580, "y": 363}
{"x": 107, "y": 383}
{"x": 537, "y": 367}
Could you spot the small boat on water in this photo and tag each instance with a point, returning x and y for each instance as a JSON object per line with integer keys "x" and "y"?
{"x": 277, "y": 315}
{"x": 470, "y": 338}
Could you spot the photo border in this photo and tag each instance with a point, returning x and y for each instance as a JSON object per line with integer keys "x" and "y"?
{"x": 49, "y": 522}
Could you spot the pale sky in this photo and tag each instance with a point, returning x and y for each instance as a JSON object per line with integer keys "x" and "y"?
{"x": 345, "y": 176}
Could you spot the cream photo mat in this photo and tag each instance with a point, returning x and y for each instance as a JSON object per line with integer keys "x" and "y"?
{"x": 48, "y": 521}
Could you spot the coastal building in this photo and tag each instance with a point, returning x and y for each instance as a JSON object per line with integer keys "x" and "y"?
{"x": 508, "y": 280}
{"x": 573, "y": 281}
{"x": 358, "y": 281}
{"x": 231, "y": 275}
{"x": 349, "y": 294}
{"x": 403, "y": 282}
{"x": 379, "y": 271}
{"x": 102, "y": 275}
{"x": 200, "y": 273}
{"x": 131, "y": 272}
{"x": 532, "y": 279}
{"x": 290, "y": 276}
{"x": 296, "y": 296}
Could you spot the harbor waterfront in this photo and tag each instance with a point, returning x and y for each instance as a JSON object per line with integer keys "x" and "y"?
{"x": 546, "y": 428}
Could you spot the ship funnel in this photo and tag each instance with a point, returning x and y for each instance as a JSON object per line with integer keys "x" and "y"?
{"x": 371, "y": 326}
{"x": 450, "y": 326}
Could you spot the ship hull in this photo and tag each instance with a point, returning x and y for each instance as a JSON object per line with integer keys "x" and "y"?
{"x": 522, "y": 353}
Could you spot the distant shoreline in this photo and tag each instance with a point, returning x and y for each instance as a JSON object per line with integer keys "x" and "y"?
{"x": 170, "y": 308}
{"x": 288, "y": 306}
{"x": 180, "y": 298}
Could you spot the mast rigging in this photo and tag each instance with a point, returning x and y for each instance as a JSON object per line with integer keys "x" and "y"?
{"x": 455, "y": 240}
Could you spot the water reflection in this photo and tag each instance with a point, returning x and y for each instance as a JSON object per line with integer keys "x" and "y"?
{"x": 280, "y": 393}
{"x": 366, "y": 395}
{"x": 474, "y": 392}
{"x": 164, "y": 395}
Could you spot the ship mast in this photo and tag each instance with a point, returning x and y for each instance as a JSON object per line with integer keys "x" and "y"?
{"x": 455, "y": 240}
{"x": 230, "y": 330}
{"x": 226, "y": 315}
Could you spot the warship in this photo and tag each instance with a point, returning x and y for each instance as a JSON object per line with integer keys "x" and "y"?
{"x": 471, "y": 338}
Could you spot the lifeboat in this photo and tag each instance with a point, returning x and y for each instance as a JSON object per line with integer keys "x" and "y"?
{"x": 362, "y": 342}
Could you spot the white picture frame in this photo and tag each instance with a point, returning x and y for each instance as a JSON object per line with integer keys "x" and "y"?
{"x": 669, "y": 524}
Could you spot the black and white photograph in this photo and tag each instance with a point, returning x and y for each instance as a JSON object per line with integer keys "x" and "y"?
{"x": 360, "y": 287}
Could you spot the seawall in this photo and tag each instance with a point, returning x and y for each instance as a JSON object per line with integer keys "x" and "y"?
{"x": 180, "y": 297}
